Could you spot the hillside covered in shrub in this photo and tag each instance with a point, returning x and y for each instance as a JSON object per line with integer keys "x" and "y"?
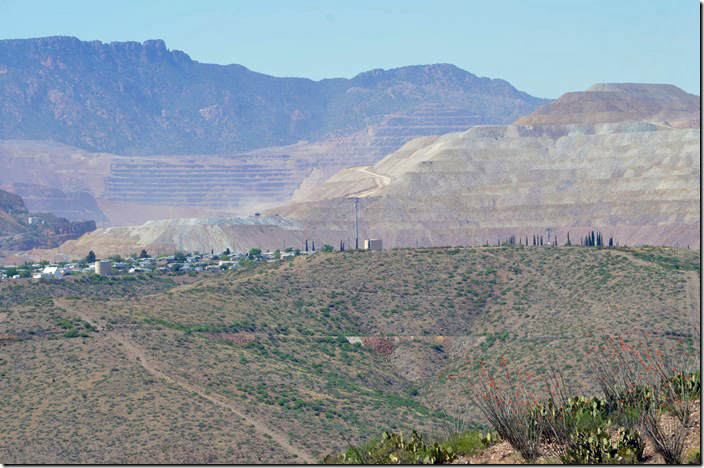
{"x": 299, "y": 360}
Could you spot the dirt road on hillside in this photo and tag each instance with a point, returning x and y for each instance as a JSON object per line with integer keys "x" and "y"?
{"x": 136, "y": 353}
{"x": 693, "y": 291}
{"x": 381, "y": 181}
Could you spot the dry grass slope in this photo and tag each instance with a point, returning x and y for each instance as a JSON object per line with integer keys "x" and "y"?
{"x": 254, "y": 365}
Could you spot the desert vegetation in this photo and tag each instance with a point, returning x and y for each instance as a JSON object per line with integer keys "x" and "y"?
{"x": 648, "y": 412}
{"x": 297, "y": 360}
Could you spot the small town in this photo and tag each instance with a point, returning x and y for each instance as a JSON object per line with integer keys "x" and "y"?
{"x": 350, "y": 233}
{"x": 178, "y": 263}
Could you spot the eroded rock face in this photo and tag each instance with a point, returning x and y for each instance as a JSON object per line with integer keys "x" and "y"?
{"x": 59, "y": 230}
{"x": 637, "y": 181}
{"x": 74, "y": 206}
{"x": 12, "y": 203}
{"x": 23, "y": 230}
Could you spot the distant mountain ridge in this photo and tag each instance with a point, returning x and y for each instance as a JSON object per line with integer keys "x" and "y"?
{"x": 141, "y": 98}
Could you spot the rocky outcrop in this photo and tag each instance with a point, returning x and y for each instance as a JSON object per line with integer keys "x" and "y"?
{"x": 74, "y": 206}
{"x": 59, "y": 230}
{"x": 24, "y": 230}
{"x": 12, "y": 203}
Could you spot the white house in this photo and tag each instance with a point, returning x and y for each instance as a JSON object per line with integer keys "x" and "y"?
{"x": 49, "y": 272}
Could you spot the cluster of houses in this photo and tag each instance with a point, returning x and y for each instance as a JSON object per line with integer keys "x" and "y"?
{"x": 179, "y": 262}
{"x": 42, "y": 270}
{"x": 192, "y": 264}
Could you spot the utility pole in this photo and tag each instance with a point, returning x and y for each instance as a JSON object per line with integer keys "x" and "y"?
{"x": 356, "y": 224}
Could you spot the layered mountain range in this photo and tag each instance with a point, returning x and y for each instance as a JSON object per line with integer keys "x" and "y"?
{"x": 142, "y": 99}
{"x": 168, "y": 136}
{"x": 635, "y": 181}
{"x": 619, "y": 158}
{"x": 428, "y": 150}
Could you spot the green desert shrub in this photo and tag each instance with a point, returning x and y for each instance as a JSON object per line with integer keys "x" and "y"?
{"x": 597, "y": 447}
{"x": 687, "y": 385}
{"x": 395, "y": 449}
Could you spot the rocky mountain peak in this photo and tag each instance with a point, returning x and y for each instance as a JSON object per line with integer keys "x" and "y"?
{"x": 142, "y": 98}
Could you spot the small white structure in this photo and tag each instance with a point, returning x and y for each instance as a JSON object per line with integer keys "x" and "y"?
{"x": 103, "y": 268}
{"x": 372, "y": 244}
{"x": 49, "y": 272}
{"x": 33, "y": 220}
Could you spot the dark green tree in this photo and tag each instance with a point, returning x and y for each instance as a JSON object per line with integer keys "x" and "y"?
{"x": 143, "y": 254}
{"x": 90, "y": 258}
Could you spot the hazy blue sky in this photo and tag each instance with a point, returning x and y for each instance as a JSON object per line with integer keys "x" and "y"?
{"x": 542, "y": 47}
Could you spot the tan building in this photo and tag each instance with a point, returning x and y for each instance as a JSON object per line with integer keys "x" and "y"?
{"x": 103, "y": 268}
{"x": 372, "y": 244}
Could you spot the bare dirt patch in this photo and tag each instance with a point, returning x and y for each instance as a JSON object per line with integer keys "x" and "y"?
{"x": 380, "y": 345}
